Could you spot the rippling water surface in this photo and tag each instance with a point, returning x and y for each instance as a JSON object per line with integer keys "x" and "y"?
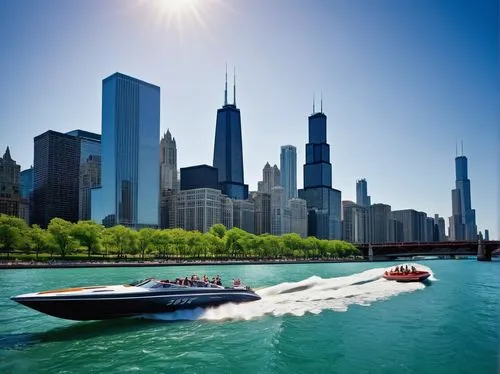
{"x": 313, "y": 318}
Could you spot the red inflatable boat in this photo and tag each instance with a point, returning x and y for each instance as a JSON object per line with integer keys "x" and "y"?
{"x": 412, "y": 276}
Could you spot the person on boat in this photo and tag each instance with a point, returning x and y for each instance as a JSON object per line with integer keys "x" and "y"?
{"x": 413, "y": 269}
{"x": 401, "y": 269}
{"x": 218, "y": 281}
{"x": 236, "y": 282}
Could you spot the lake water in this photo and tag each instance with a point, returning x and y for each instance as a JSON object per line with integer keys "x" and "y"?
{"x": 344, "y": 318}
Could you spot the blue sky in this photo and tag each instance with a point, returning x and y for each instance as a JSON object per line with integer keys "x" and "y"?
{"x": 402, "y": 83}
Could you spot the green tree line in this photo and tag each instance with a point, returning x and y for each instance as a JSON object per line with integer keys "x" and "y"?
{"x": 89, "y": 239}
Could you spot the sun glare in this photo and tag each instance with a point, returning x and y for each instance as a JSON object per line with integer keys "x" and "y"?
{"x": 175, "y": 6}
{"x": 183, "y": 16}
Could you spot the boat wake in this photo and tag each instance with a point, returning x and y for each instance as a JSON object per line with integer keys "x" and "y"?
{"x": 311, "y": 295}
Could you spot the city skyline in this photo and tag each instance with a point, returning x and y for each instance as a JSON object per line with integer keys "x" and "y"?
{"x": 397, "y": 98}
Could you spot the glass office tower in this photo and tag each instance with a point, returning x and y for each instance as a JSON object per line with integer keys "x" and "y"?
{"x": 129, "y": 194}
{"x": 228, "y": 150}
{"x": 288, "y": 166}
{"x": 463, "y": 220}
{"x": 323, "y": 202}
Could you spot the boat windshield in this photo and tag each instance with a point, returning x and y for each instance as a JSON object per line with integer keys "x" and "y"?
{"x": 152, "y": 283}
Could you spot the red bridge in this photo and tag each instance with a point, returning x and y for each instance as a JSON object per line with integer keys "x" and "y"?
{"x": 484, "y": 249}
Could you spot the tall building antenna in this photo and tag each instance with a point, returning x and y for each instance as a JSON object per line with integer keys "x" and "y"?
{"x": 321, "y": 105}
{"x": 314, "y": 108}
{"x": 225, "y": 89}
{"x": 456, "y": 149}
{"x": 462, "y": 147}
{"x": 234, "y": 86}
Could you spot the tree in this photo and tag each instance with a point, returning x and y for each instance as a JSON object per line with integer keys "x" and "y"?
{"x": 145, "y": 240}
{"x": 194, "y": 243}
{"x": 61, "y": 232}
{"x": 218, "y": 230}
{"x": 12, "y": 233}
{"x": 178, "y": 238}
{"x": 89, "y": 235}
{"x": 39, "y": 239}
{"x": 161, "y": 241}
{"x": 291, "y": 242}
{"x": 120, "y": 238}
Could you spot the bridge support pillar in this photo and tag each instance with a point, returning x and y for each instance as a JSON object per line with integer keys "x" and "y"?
{"x": 482, "y": 255}
{"x": 370, "y": 253}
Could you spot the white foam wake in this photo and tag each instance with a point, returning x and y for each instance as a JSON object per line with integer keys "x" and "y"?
{"x": 311, "y": 295}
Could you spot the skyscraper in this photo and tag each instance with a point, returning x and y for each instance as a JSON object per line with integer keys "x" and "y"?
{"x": 270, "y": 178}
{"x": 323, "y": 202}
{"x": 280, "y": 214}
{"x": 9, "y": 185}
{"x": 228, "y": 149}
{"x": 168, "y": 163}
{"x": 288, "y": 166}
{"x": 169, "y": 182}
{"x": 130, "y": 132}
{"x": 355, "y": 222}
{"x": 463, "y": 219}
{"x": 380, "y": 223}
{"x": 27, "y": 183}
{"x": 26, "y": 202}
{"x": 262, "y": 216}
{"x": 56, "y": 177}
{"x": 89, "y": 169}
{"x": 362, "y": 197}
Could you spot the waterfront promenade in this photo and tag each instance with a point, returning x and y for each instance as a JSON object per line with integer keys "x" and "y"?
{"x": 106, "y": 264}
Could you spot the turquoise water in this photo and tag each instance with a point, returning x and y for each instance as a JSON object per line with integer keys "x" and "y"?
{"x": 342, "y": 319}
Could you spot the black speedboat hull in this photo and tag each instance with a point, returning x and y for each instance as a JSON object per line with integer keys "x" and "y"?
{"x": 105, "y": 306}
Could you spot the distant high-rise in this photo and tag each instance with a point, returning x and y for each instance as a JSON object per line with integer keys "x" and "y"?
{"x": 414, "y": 225}
{"x": 169, "y": 182}
{"x": 56, "y": 177}
{"x": 381, "y": 226}
{"x": 288, "y": 166}
{"x": 244, "y": 215}
{"x": 362, "y": 197}
{"x": 26, "y": 202}
{"x": 298, "y": 216}
{"x": 439, "y": 229}
{"x": 228, "y": 150}
{"x": 270, "y": 178}
{"x": 323, "y": 202}
{"x": 89, "y": 169}
{"x": 354, "y": 223}
{"x": 130, "y": 132}
{"x": 463, "y": 219}
{"x": 262, "y": 216}
{"x": 280, "y": 214}
{"x": 9, "y": 185}
{"x": 27, "y": 183}
{"x": 168, "y": 163}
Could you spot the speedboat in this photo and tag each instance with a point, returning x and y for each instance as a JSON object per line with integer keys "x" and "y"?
{"x": 142, "y": 297}
{"x": 410, "y": 276}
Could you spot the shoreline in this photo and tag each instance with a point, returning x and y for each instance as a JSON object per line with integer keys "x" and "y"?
{"x": 83, "y": 264}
